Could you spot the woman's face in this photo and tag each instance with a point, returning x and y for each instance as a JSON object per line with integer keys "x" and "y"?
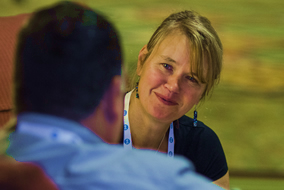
{"x": 167, "y": 87}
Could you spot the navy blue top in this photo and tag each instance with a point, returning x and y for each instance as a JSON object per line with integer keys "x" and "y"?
{"x": 202, "y": 146}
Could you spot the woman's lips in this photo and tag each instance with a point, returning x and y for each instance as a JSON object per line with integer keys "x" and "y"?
{"x": 165, "y": 100}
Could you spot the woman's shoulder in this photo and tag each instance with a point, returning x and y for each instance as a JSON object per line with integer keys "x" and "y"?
{"x": 185, "y": 124}
{"x": 202, "y": 146}
{"x": 200, "y": 136}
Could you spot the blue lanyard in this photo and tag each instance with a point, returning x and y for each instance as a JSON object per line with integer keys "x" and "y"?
{"x": 127, "y": 141}
{"x": 49, "y": 132}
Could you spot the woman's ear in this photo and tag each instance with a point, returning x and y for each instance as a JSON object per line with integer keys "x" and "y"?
{"x": 141, "y": 58}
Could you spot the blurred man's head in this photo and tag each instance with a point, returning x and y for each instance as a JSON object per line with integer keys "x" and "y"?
{"x": 68, "y": 59}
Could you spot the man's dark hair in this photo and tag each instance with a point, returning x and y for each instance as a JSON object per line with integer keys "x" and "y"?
{"x": 66, "y": 58}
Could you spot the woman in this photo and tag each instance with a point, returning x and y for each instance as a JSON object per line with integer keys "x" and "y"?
{"x": 176, "y": 70}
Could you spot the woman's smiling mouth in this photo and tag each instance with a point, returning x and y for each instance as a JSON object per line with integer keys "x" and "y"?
{"x": 165, "y": 100}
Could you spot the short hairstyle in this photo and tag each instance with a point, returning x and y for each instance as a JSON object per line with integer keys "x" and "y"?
{"x": 204, "y": 43}
{"x": 66, "y": 57}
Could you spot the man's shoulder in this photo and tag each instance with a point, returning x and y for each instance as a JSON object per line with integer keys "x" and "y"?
{"x": 130, "y": 161}
{"x": 162, "y": 172}
{"x": 110, "y": 166}
{"x": 161, "y": 162}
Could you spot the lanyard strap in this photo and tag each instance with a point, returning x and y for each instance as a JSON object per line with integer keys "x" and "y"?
{"x": 127, "y": 141}
{"x": 49, "y": 132}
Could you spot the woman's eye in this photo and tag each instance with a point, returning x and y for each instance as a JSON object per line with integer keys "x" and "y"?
{"x": 192, "y": 79}
{"x": 167, "y": 66}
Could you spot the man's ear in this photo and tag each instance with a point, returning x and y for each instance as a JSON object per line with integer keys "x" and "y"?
{"x": 106, "y": 120}
{"x": 112, "y": 111}
{"x": 112, "y": 102}
{"x": 141, "y": 58}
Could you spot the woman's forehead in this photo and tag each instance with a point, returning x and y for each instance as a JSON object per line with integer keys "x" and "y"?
{"x": 176, "y": 48}
{"x": 172, "y": 47}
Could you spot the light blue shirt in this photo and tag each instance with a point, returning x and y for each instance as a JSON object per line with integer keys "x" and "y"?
{"x": 88, "y": 163}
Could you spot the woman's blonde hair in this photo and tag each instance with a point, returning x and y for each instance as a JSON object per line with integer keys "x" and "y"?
{"x": 205, "y": 44}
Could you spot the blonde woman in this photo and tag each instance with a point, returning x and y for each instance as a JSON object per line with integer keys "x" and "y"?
{"x": 176, "y": 70}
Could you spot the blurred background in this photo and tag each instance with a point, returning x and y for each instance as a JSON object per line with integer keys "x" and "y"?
{"x": 246, "y": 110}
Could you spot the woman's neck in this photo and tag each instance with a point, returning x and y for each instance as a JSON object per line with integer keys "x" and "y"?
{"x": 146, "y": 132}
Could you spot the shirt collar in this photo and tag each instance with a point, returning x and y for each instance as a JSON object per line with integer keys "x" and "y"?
{"x": 49, "y": 120}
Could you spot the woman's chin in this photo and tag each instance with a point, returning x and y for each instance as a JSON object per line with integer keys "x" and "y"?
{"x": 164, "y": 118}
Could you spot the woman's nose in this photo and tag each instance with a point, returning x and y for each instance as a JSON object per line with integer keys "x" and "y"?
{"x": 173, "y": 84}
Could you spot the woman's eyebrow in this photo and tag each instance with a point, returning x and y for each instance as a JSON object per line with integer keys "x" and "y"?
{"x": 166, "y": 58}
{"x": 194, "y": 74}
